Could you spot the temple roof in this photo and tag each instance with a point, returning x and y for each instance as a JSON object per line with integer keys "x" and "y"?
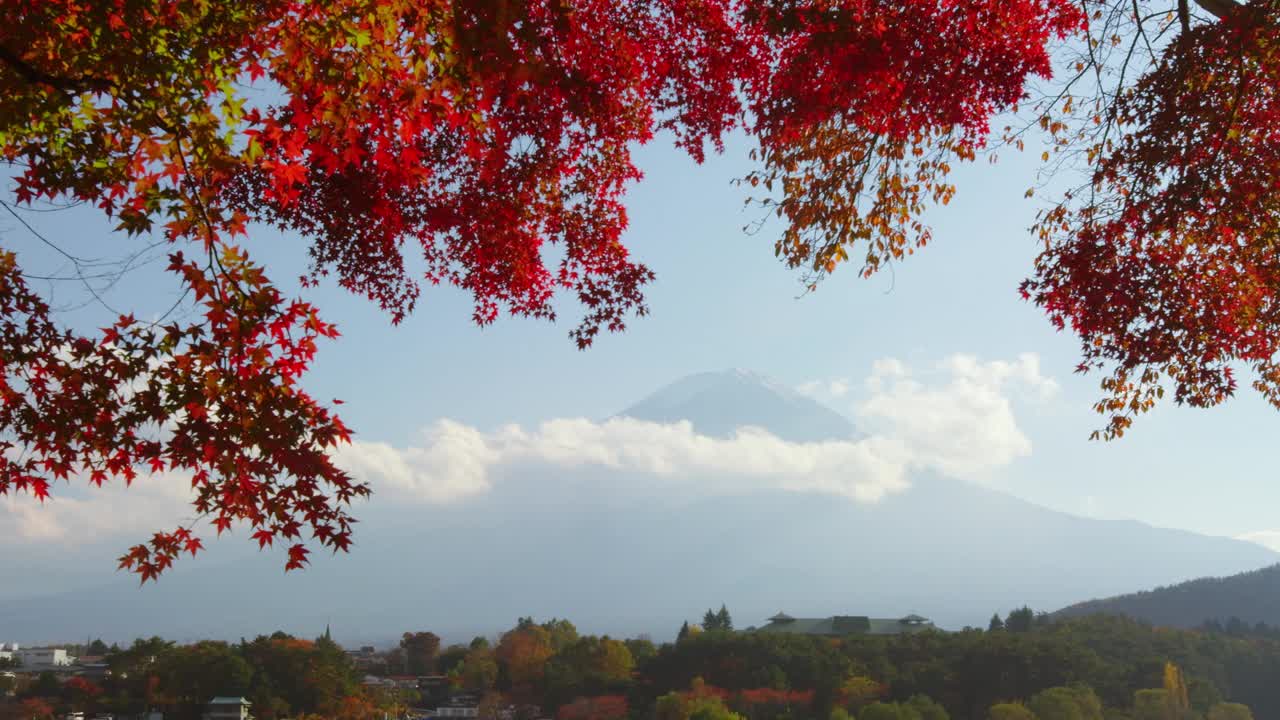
{"x": 841, "y": 625}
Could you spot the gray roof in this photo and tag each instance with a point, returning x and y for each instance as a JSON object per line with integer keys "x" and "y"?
{"x": 840, "y": 625}
{"x": 227, "y": 700}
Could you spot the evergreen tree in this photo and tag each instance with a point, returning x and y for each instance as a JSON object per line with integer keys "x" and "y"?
{"x": 1020, "y": 620}
{"x": 710, "y": 621}
{"x": 723, "y": 620}
{"x": 684, "y": 631}
{"x": 996, "y": 623}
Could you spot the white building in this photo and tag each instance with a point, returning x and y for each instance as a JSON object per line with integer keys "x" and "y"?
{"x": 7, "y": 651}
{"x": 228, "y": 708}
{"x": 43, "y": 657}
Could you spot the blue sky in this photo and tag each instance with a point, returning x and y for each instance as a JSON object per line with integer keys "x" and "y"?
{"x": 721, "y": 300}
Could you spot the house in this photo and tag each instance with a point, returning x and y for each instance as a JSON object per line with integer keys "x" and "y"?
{"x": 364, "y": 658}
{"x": 463, "y": 705}
{"x": 456, "y": 711}
{"x": 42, "y": 657}
{"x": 373, "y": 681}
{"x": 841, "y": 625}
{"x": 7, "y": 651}
{"x": 435, "y": 690}
{"x": 96, "y": 671}
{"x": 227, "y": 708}
{"x": 404, "y": 682}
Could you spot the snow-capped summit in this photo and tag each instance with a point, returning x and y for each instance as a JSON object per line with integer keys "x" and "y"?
{"x": 718, "y": 403}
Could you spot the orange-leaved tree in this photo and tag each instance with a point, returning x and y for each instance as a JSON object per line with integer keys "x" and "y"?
{"x": 601, "y": 707}
{"x": 466, "y": 136}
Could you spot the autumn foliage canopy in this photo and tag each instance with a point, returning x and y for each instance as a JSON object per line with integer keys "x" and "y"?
{"x": 465, "y": 137}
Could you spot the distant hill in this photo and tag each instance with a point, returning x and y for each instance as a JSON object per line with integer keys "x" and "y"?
{"x": 624, "y": 554}
{"x": 1253, "y": 597}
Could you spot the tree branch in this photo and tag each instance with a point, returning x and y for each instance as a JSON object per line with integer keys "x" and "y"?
{"x": 35, "y": 76}
{"x": 1220, "y": 9}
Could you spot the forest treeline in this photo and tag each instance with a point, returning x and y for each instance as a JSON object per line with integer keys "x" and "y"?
{"x": 1022, "y": 667}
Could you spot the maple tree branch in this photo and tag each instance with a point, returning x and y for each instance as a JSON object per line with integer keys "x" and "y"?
{"x": 1220, "y": 9}
{"x": 75, "y": 261}
{"x": 35, "y": 76}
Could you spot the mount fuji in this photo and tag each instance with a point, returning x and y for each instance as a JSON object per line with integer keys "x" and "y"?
{"x": 566, "y": 542}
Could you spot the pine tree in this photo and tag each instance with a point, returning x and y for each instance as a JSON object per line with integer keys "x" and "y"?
{"x": 711, "y": 621}
{"x": 684, "y": 631}
{"x": 723, "y": 619}
{"x": 996, "y": 624}
{"x": 1020, "y": 620}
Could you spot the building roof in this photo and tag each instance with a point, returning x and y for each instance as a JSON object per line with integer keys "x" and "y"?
{"x": 781, "y": 617}
{"x": 227, "y": 700}
{"x": 840, "y": 625}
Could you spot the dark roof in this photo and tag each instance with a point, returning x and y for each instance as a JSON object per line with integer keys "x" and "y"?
{"x": 850, "y": 624}
{"x": 841, "y": 625}
{"x": 781, "y": 617}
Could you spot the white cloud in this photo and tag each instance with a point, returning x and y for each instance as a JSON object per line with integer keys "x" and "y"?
{"x": 956, "y": 419}
{"x": 81, "y": 515}
{"x": 961, "y": 426}
{"x": 456, "y": 461}
{"x": 1269, "y": 539}
{"x": 964, "y": 426}
{"x": 452, "y": 463}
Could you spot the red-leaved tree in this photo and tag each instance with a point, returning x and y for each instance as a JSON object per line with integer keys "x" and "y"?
{"x": 466, "y": 136}
{"x": 35, "y": 709}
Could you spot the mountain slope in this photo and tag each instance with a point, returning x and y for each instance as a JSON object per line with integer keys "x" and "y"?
{"x": 950, "y": 551}
{"x": 1250, "y": 596}
{"x": 621, "y": 552}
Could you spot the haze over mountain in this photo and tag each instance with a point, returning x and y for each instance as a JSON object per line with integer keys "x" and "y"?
{"x": 621, "y": 547}
{"x": 1251, "y": 597}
